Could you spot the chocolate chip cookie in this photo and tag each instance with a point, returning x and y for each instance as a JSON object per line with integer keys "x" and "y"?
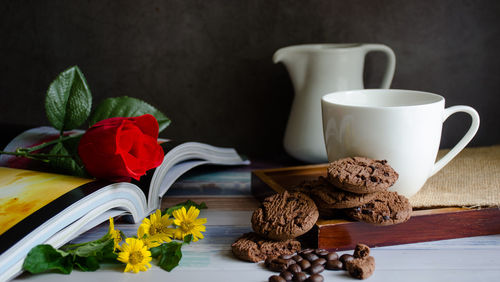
{"x": 252, "y": 247}
{"x": 361, "y": 175}
{"x": 285, "y": 216}
{"x": 386, "y": 209}
{"x": 304, "y": 187}
{"x": 332, "y": 197}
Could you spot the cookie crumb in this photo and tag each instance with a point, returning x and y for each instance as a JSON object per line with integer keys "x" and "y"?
{"x": 361, "y": 251}
{"x": 361, "y": 268}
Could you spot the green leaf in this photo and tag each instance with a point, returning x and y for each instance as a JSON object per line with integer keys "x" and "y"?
{"x": 155, "y": 251}
{"x": 127, "y": 107}
{"x": 87, "y": 263}
{"x": 68, "y": 101}
{"x": 70, "y": 165}
{"x": 99, "y": 248}
{"x": 187, "y": 204}
{"x": 188, "y": 238}
{"x": 43, "y": 258}
{"x": 170, "y": 255}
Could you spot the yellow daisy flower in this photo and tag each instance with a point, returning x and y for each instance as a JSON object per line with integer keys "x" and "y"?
{"x": 135, "y": 254}
{"x": 115, "y": 234}
{"x": 156, "y": 228}
{"x": 188, "y": 223}
{"x": 149, "y": 241}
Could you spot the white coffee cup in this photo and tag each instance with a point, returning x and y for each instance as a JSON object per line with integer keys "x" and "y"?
{"x": 400, "y": 126}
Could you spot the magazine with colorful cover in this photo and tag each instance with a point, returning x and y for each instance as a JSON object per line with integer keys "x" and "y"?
{"x": 39, "y": 207}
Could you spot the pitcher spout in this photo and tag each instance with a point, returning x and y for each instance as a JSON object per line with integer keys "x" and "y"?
{"x": 295, "y": 62}
{"x": 279, "y": 55}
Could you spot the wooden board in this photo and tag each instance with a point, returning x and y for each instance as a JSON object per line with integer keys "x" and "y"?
{"x": 340, "y": 234}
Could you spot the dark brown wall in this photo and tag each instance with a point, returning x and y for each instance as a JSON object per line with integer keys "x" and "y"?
{"x": 207, "y": 64}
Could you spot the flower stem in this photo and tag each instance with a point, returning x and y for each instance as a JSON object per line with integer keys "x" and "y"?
{"x": 28, "y": 155}
{"x": 28, "y": 152}
{"x": 61, "y": 138}
{"x": 70, "y": 247}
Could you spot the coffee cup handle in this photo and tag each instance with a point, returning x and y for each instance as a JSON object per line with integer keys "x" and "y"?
{"x": 464, "y": 141}
{"x": 391, "y": 62}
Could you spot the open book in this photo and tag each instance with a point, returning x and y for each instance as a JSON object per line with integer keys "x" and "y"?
{"x": 47, "y": 208}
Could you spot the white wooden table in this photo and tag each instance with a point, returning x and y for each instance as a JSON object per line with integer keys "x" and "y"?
{"x": 230, "y": 207}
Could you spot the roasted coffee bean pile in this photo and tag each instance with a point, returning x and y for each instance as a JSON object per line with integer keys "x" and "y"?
{"x": 297, "y": 267}
{"x": 313, "y": 262}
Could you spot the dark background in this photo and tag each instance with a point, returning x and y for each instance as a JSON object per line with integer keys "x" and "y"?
{"x": 207, "y": 64}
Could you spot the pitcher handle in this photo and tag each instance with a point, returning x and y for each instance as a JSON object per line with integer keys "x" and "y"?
{"x": 391, "y": 62}
{"x": 464, "y": 141}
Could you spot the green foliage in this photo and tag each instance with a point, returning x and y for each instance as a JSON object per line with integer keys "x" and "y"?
{"x": 88, "y": 256}
{"x": 68, "y": 101}
{"x": 188, "y": 239}
{"x": 85, "y": 256}
{"x": 99, "y": 248}
{"x": 169, "y": 255}
{"x": 70, "y": 165}
{"x": 155, "y": 251}
{"x": 43, "y": 258}
{"x": 68, "y": 105}
{"x": 127, "y": 107}
{"x": 86, "y": 263}
{"x": 187, "y": 204}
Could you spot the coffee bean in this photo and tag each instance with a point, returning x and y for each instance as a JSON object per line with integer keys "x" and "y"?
{"x": 297, "y": 258}
{"x": 317, "y": 251}
{"x": 268, "y": 261}
{"x": 322, "y": 253}
{"x": 310, "y": 257}
{"x": 279, "y": 265}
{"x": 287, "y": 275}
{"x": 299, "y": 277}
{"x": 305, "y": 264}
{"x": 315, "y": 278}
{"x": 332, "y": 256}
{"x": 286, "y": 262}
{"x": 284, "y": 256}
{"x": 294, "y": 268}
{"x": 316, "y": 268}
{"x": 321, "y": 261}
{"x": 306, "y": 251}
{"x": 345, "y": 258}
{"x": 276, "y": 278}
{"x": 334, "y": 264}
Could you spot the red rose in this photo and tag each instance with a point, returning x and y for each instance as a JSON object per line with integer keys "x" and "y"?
{"x": 118, "y": 149}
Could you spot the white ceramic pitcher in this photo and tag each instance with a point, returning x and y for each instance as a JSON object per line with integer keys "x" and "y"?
{"x": 315, "y": 70}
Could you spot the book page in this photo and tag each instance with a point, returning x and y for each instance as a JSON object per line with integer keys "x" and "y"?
{"x": 23, "y": 192}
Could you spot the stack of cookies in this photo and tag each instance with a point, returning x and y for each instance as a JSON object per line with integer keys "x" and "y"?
{"x": 357, "y": 187}
{"x": 280, "y": 219}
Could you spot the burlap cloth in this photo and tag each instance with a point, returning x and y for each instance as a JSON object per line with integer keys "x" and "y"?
{"x": 471, "y": 179}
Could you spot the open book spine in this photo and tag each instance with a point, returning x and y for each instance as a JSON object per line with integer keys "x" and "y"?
{"x": 181, "y": 159}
